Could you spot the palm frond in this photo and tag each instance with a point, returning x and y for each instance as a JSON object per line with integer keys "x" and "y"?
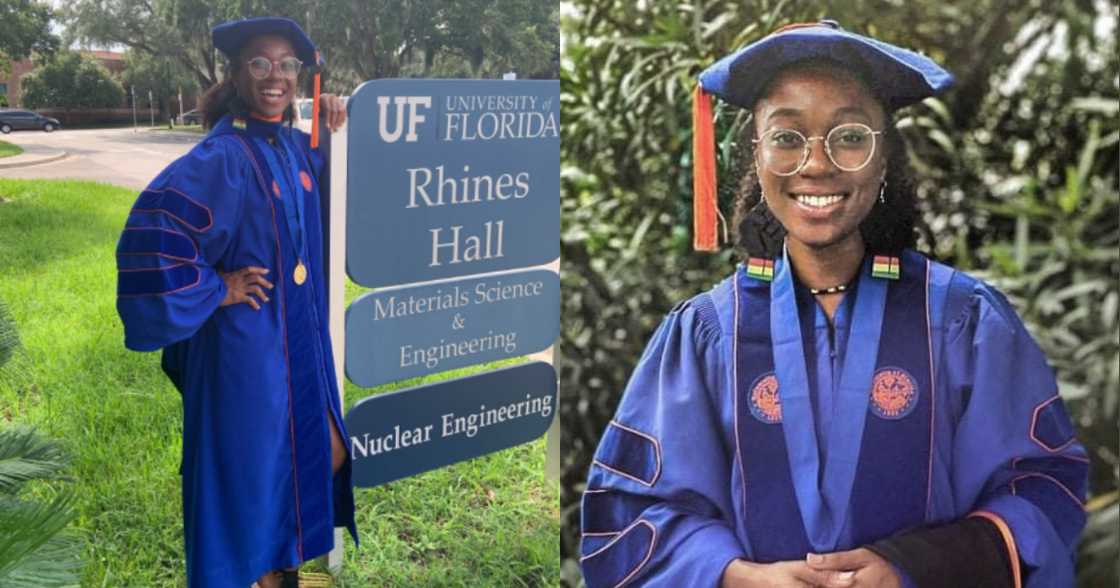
{"x": 25, "y": 456}
{"x": 26, "y": 528}
{"x": 55, "y": 564}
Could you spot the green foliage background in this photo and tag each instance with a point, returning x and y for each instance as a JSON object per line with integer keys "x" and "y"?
{"x": 26, "y": 30}
{"x": 359, "y": 40}
{"x": 71, "y": 81}
{"x": 1017, "y": 169}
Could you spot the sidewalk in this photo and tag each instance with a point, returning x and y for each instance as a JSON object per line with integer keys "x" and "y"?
{"x": 32, "y": 155}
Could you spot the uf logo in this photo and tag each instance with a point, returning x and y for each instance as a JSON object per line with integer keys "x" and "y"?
{"x": 414, "y": 117}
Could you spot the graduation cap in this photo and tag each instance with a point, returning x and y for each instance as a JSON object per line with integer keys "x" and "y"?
{"x": 230, "y": 37}
{"x": 901, "y": 77}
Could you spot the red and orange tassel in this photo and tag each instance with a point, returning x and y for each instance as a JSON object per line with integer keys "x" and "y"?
{"x": 705, "y": 211}
{"x": 315, "y": 105}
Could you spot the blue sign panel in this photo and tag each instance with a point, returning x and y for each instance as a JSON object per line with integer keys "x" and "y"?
{"x": 451, "y": 178}
{"x": 403, "y": 433}
{"x": 408, "y": 332}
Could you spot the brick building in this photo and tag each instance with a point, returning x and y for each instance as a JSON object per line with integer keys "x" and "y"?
{"x": 110, "y": 60}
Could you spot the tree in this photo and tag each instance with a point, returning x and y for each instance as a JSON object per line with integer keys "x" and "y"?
{"x": 71, "y": 81}
{"x": 178, "y": 30}
{"x": 360, "y": 40}
{"x": 26, "y": 25}
{"x": 503, "y": 35}
{"x": 164, "y": 77}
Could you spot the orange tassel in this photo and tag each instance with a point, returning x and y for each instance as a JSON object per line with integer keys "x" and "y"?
{"x": 704, "y": 204}
{"x": 315, "y": 106}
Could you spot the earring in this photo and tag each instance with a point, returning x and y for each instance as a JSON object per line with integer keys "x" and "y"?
{"x": 882, "y": 189}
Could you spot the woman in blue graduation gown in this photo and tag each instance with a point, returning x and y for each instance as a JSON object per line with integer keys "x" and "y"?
{"x": 220, "y": 266}
{"x": 841, "y": 411}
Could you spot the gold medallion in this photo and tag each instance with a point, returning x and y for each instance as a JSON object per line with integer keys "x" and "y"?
{"x": 300, "y": 275}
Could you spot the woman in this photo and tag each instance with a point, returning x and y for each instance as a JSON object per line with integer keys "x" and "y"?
{"x": 220, "y": 266}
{"x": 841, "y": 411}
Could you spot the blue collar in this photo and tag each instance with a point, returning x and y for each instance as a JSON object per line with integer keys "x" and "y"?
{"x": 247, "y": 125}
{"x": 824, "y": 508}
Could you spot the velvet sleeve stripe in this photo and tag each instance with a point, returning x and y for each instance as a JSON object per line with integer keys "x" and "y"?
{"x": 1065, "y": 510}
{"x": 136, "y": 263}
{"x": 1009, "y": 542}
{"x": 619, "y": 560}
{"x": 156, "y": 241}
{"x": 606, "y": 512}
{"x": 630, "y": 453}
{"x": 157, "y": 282}
{"x": 177, "y": 205}
{"x": 1051, "y": 427}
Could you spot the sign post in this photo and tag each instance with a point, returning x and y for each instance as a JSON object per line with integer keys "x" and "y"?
{"x": 334, "y": 214}
{"x": 445, "y": 197}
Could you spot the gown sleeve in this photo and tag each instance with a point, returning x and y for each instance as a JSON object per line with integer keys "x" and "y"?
{"x": 657, "y": 507}
{"x": 1016, "y": 461}
{"x": 172, "y": 243}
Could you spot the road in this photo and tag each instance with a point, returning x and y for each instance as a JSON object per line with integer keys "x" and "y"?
{"x": 118, "y": 156}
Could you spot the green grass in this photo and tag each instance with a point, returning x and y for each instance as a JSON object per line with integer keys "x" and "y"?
{"x": 8, "y": 150}
{"x": 491, "y": 521}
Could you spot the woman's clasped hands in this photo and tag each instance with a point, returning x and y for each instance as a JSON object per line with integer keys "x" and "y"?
{"x": 844, "y": 569}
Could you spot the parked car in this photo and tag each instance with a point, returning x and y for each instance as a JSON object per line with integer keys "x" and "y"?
{"x": 190, "y": 117}
{"x": 303, "y": 108}
{"x": 15, "y": 119}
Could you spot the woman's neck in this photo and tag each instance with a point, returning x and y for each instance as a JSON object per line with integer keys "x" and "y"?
{"x": 825, "y": 267}
{"x": 266, "y": 118}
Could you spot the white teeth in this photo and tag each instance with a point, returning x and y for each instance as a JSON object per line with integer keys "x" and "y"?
{"x": 818, "y": 201}
{"x": 275, "y": 93}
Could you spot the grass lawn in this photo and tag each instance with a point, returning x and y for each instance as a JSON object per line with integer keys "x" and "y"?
{"x": 492, "y": 521}
{"x": 8, "y": 150}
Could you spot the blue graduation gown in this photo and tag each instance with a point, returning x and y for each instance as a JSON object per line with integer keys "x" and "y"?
{"x": 257, "y": 386}
{"x": 721, "y": 450}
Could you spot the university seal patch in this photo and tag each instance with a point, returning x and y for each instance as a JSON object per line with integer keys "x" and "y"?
{"x": 766, "y": 405}
{"x": 894, "y": 394}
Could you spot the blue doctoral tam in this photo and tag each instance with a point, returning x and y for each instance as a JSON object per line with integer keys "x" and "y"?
{"x": 901, "y": 77}
{"x": 229, "y": 37}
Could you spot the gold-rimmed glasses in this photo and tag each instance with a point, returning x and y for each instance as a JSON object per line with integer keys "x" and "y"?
{"x": 261, "y": 67}
{"x": 785, "y": 152}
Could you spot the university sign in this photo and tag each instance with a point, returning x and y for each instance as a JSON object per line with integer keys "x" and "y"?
{"x": 452, "y": 214}
{"x": 451, "y": 178}
{"x": 404, "y": 433}
{"x": 393, "y": 334}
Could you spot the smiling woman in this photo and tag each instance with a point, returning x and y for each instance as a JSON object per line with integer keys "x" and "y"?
{"x": 841, "y": 410}
{"x": 219, "y": 267}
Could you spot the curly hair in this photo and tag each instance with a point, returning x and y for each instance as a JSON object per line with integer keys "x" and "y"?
{"x": 888, "y": 228}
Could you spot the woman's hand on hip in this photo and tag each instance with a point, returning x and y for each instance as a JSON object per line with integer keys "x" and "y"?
{"x": 334, "y": 111}
{"x": 783, "y": 574}
{"x": 243, "y": 284}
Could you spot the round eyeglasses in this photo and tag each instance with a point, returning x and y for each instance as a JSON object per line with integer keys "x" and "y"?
{"x": 785, "y": 152}
{"x": 261, "y": 67}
